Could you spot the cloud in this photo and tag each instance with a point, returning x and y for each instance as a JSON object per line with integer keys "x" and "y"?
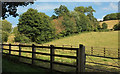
{"x": 101, "y": 19}
{"x": 46, "y": 7}
{"x": 111, "y": 6}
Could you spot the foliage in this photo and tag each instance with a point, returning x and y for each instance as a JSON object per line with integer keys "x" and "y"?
{"x": 4, "y": 36}
{"x": 53, "y": 17}
{"x": 15, "y": 30}
{"x": 6, "y": 26}
{"x": 104, "y": 26}
{"x": 62, "y": 10}
{"x": 10, "y": 8}
{"x": 112, "y": 16}
{"x": 6, "y": 29}
{"x": 37, "y": 27}
{"x": 69, "y": 24}
{"x": 117, "y": 26}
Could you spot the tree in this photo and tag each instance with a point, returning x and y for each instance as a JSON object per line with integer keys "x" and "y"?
{"x": 6, "y": 26}
{"x": 15, "y": 30}
{"x": 36, "y": 27}
{"x": 112, "y": 16}
{"x": 62, "y": 10}
{"x": 80, "y": 9}
{"x": 117, "y": 26}
{"x": 53, "y": 17}
{"x": 10, "y": 8}
{"x": 104, "y": 26}
{"x": 70, "y": 25}
{"x": 4, "y": 36}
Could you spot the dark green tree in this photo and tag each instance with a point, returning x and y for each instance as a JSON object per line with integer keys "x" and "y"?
{"x": 104, "y": 26}
{"x": 117, "y": 26}
{"x": 69, "y": 24}
{"x": 62, "y": 10}
{"x": 10, "y": 8}
{"x": 80, "y": 9}
{"x": 37, "y": 26}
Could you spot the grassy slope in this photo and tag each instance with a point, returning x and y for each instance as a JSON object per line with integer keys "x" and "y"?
{"x": 110, "y": 23}
{"x": 96, "y": 39}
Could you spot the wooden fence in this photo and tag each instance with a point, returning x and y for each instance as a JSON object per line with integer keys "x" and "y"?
{"x": 80, "y": 55}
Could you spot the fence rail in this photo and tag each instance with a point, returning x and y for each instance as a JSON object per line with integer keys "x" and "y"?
{"x": 80, "y": 58}
{"x": 80, "y": 55}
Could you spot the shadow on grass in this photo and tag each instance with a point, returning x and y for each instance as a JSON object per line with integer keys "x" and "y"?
{"x": 9, "y": 66}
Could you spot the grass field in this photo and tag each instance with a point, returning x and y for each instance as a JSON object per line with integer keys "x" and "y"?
{"x": 95, "y": 39}
{"x": 9, "y": 66}
{"x": 110, "y": 23}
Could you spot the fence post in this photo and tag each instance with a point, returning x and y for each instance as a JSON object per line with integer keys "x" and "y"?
{"x": 81, "y": 58}
{"x": 51, "y": 57}
{"x": 9, "y": 49}
{"x": 91, "y": 50}
{"x": 104, "y": 52}
{"x": 19, "y": 51}
{"x": 2, "y": 48}
{"x": 33, "y": 53}
{"x": 119, "y": 57}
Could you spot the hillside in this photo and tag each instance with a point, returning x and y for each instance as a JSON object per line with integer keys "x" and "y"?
{"x": 110, "y": 23}
{"x": 96, "y": 39}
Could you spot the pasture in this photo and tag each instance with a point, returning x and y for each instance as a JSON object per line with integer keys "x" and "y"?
{"x": 110, "y": 23}
{"x": 96, "y": 39}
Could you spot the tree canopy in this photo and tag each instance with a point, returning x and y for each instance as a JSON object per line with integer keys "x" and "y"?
{"x": 10, "y": 8}
{"x": 112, "y": 16}
{"x": 62, "y": 10}
{"x": 36, "y": 26}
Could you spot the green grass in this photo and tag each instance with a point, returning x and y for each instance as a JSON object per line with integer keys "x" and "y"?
{"x": 95, "y": 39}
{"x": 9, "y": 66}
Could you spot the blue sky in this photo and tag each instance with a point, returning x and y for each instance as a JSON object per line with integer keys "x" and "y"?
{"x": 102, "y": 8}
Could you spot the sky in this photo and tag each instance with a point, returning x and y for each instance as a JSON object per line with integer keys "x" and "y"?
{"x": 101, "y": 8}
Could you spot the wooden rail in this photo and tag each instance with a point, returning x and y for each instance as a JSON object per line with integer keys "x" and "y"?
{"x": 80, "y": 58}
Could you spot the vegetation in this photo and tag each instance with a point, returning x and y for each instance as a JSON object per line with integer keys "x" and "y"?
{"x": 10, "y": 8}
{"x": 104, "y": 26}
{"x": 6, "y": 29}
{"x": 41, "y": 28}
{"x": 37, "y": 27}
{"x": 117, "y": 26}
{"x": 110, "y": 23}
{"x": 10, "y": 66}
{"x": 112, "y": 16}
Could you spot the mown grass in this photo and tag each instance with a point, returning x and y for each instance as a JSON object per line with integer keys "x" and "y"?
{"x": 109, "y": 40}
{"x": 9, "y": 66}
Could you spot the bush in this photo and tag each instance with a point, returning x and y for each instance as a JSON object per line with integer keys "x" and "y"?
{"x": 4, "y": 36}
{"x": 22, "y": 39}
{"x": 116, "y": 27}
{"x": 104, "y": 26}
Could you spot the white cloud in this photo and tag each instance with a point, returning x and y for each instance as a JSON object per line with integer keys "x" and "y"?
{"x": 46, "y": 7}
{"x": 101, "y": 19}
{"x": 111, "y": 6}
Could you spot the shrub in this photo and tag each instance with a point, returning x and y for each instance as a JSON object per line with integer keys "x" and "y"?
{"x": 116, "y": 27}
{"x": 104, "y": 26}
{"x": 4, "y": 36}
{"x": 22, "y": 39}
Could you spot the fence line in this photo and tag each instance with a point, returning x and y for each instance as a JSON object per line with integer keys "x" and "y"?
{"x": 80, "y": 58}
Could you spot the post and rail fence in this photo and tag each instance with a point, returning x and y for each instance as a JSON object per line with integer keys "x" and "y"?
{"x": 80, "y": 55}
